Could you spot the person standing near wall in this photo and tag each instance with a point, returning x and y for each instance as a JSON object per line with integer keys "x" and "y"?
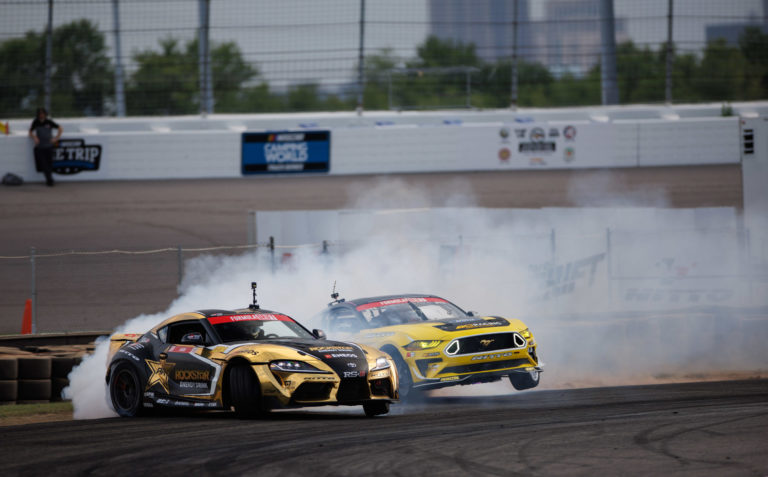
{"x": 41, "y": 132}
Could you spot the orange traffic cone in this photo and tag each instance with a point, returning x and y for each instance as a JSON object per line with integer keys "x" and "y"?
{"x": 26, "y": 322}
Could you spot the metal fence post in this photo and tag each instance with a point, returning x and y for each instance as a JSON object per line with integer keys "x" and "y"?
{"x": 204, "y": 58}
{"x": 513, "y": 101}
{"x": 180, "y": 260}
{"x": 361, "y": 61}
{"x": 668, "y": 82}
{"x": 33, "y": 288}
{"x": 119, "y": 89}
{"x": 609, "y": 274}
{"x": 610, "y": 88}
{"x": 272, "y": 252}
{"x": 48, "y": 62}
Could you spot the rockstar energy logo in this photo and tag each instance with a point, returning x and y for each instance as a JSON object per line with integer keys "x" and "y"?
{"x": 191, "y": 375}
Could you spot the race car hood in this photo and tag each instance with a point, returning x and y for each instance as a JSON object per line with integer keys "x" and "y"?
{"x": 443, "y": 329}
{"x": 336, "y": 354}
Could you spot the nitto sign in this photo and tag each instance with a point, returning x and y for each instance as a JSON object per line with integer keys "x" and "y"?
{"x": 74, "y": 155}
{"x": 286, "y": 152}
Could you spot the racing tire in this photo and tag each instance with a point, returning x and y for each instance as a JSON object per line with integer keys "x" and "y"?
{"x": 9, "y": 390}
{"x": 125, "y": 391}
{"x": 405, "y": 380}
{"x": 245, "y": 392}
{"x": 9, "y": 369}
{"x": 34, "y": 390}
{"x": 375, "y": 408}
{"x": 523, "y": 381}
{"x": 34, "y": 368}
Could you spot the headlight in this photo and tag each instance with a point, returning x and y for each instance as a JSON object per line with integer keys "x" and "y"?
{"x": 422, "y": 344}
{"x": 381, "y": 363}
{"x": 294, "y": 367}
{"x": 526, "y": 334}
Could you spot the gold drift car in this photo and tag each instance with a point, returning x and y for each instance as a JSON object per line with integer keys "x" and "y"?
{"x": 249, "y": 359}
{"x": 435, "y": 343}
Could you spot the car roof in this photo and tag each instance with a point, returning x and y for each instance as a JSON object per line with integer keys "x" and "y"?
{"x": 203, "y": 314}
{"x": 363, "y": 301}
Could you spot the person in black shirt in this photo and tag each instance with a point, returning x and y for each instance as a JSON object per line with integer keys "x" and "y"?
{"x": 41, "y": 132}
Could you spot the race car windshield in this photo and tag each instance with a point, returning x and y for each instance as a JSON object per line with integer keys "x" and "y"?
{"x": 259, "y": 329}
{"x": 411, "y": 311}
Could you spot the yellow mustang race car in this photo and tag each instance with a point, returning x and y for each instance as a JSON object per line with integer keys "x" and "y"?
{"x": 435, "y": 343}
{"x": 249, "y": 359}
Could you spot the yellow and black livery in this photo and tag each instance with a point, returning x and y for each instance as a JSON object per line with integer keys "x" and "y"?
{"x": 435, "y": 343}
{"x": 249, "y": 359}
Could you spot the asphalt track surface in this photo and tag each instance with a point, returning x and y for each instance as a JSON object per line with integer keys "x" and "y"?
{"x": 696, "y": 429}
{"x": 142, "y": 215}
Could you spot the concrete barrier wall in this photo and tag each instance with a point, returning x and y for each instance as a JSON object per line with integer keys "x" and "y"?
{"x": 164, "y": 153}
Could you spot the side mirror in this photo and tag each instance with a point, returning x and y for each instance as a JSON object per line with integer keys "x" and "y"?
{"x": 193, "y": 338}
{"x": 319, "y": 334}
{"x": 472, "y": 313}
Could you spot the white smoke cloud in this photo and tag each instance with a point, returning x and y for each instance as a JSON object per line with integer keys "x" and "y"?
{"x": 565, "y": 272}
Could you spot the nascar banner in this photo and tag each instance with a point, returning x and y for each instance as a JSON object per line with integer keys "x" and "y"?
{"x": 286, "y": 152}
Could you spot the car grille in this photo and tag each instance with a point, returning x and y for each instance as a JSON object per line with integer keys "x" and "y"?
{"x": 312, "y": 392}
{"x": 489, "y": 342}
{"x": 354, "y": 389}
{"x": 479, "y": 367}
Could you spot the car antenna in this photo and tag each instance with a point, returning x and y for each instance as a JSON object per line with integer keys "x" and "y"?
{"x": 254, "y": 305}
{"x": 335, "y": 295}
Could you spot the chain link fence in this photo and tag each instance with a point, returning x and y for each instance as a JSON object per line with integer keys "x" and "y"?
{"x": 170, "y": 57}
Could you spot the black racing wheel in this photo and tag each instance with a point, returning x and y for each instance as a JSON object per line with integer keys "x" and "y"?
{"x": 375, "y": 408}
{"x": 523, "y": 381}
{"x": 125, "y": 390}
{"x": 245, "y": 392}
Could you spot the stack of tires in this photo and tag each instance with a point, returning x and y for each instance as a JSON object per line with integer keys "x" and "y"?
{"x": 35, "y": 379}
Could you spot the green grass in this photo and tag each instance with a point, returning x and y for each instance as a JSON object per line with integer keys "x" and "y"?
{"x": 21, "y": 410}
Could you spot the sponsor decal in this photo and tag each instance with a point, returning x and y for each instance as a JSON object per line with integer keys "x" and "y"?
{"x": 569, "y": 154}
{"x": 285, "y": 151}
{"x": 181, "y": 349}
{"x": 537, "y": 135}
{"x": 464, "y": 324}
{"x": 191, "y": 375}
{"x": 486, "y": 343}
{"x": 660, "y": 295}
{"x": 353, "y": 374}
{"x": 160, "y": 371}
{"x": 504, "y": 154}
{"x": 341, "y": 355}
{"x": 130, "y": 355}
{"x": 410, "y": 354}
{"x": 399, "y": 301}
{"x": 492, "y": 356}
{"x": 534, "y": 147}
{"x": 193, "y": 385}
{"x": 569, "y": 132}
{"x": 325, "y": 349}
{"x": 71, "y": 156}
{"x": 504, "y": 133}
{"x": 537, "y": 161}
{"x": 215, "y": 320}
{"x": 450, "y": 378}
{"x": 520, "y": 133}
{"x": 351, "y": 365}
{"x": 554, "y": 132}
{"x": 558, "y": 280}
{"x": 429, "y": 355}
{"x": 484, "y": 324}
{"x": 135, "y": 346}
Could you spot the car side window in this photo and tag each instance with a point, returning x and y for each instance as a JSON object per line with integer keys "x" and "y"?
{"x": 162, "y": 333}
{"x": 177, "y": 331}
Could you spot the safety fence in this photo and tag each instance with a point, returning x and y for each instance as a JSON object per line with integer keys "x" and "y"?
{"x": 172, "y": 57}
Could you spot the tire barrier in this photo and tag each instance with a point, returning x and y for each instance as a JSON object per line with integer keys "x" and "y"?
{"x": 9, "y": 370}
{"x": 34, "y": 379}
{"x": 34, "y": 390}
{"x": 8, "y": 391}
{"x": 34, "y": 368}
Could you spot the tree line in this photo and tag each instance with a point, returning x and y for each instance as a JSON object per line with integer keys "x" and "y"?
{"x": 164, "y": 81}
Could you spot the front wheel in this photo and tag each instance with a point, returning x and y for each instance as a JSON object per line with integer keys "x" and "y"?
{"x": 245, "y": 391}
{"x": 375, "y": 408}
{"x": 405, "y": 380}
{"x": 125, "y": 390}
{"x": 523, "y": 381}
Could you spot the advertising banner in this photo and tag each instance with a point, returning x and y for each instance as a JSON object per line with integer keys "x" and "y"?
{"x": 285, "y": 152}
{"x": 71, "y": 156}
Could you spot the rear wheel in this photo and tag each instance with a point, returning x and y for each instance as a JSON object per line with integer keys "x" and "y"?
{"x": 245, "y": 392}
{"x": 125, "y": 389}
{"x": 376, "y": 408}
{"x": 523, "y": 381}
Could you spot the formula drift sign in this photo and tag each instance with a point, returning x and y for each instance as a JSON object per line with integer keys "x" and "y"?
{"x": 286, "y": 152}
{"x": 71, "y": 156}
